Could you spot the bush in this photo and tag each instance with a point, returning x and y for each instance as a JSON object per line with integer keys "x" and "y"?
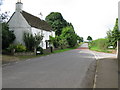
{"x": 32, "y": 41}
{"x": 18, "y": 48}
{"x": 11, "y": 48}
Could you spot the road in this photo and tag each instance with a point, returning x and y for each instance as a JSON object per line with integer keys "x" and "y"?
{"x": 62, "y": 70}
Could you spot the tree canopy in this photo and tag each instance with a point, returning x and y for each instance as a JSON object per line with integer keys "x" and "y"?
{"x": 56, "y": 20}
{"x": 65, "y": 33}
{"x": 70, "y": 35}
{"x": 114, "y": 35}
{"x": 89, "y": 38}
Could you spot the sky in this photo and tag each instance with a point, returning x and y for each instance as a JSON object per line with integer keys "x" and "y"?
{"x": 89, "y": 17}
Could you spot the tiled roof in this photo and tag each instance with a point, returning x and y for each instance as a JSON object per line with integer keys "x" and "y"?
{"x": 36, "y": 22}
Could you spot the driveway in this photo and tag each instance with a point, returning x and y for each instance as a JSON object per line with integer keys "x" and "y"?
{"x": 62, "y": 70}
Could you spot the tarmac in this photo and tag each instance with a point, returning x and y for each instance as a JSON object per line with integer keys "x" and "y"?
{"x": 106, "y": 73}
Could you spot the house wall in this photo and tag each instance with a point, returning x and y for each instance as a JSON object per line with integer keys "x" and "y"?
{"x": 19, "y": 25}
{"x": 45, "y": 34}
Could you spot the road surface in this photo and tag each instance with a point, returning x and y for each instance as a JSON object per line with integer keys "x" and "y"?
{"x": 62, "y": 70}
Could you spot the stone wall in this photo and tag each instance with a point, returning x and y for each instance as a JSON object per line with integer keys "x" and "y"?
{"x": 23, "y": 54}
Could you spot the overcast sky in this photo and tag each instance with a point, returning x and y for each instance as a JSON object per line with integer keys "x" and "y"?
{"x": 89, "y": 17}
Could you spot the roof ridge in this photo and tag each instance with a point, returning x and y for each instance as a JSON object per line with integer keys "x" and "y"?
{"x": 30, "y": 14}
{"x": 36, "y": 22}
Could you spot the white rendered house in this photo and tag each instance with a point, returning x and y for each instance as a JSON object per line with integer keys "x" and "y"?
{"x": 22, "y": 21}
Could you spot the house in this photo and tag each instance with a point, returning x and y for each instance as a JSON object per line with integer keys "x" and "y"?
{"x": 21, "y": 22}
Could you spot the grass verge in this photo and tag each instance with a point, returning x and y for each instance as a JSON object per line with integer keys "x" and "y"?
{"x": 100, "y": 50}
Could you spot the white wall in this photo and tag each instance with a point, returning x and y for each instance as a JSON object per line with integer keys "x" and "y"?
{"x": 19, "y": 25}
{"x": 45, "y": 34}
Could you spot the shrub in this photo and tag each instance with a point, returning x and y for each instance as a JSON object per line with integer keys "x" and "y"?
{"x": 32, "y": 41}
{"x": 11, "y": 47}
{"x": 18, "y": 48}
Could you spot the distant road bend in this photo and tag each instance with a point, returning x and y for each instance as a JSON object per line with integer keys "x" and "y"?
{"x": 62, "y": 70}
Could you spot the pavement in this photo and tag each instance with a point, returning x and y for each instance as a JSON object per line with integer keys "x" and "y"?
{"x": 106, "y": 71}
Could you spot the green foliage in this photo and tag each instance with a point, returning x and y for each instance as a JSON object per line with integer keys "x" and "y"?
{"x": 20, "y": 48}
{"x": 114, "y": 35}
{"x": 89, "y": 38}
{"x": 63, "y": 42}
{"x": 69, "y": 34}
{"x": 65, "y": 34}
{"x": 56, "y": 20}
{"x": 54, "y": 41}
{"x": 101, "y": 44}
{"x": 7, "y": 36}
{"x": 11, "y": 48}
{"x": 59, "y": 41}
{"x": 32, "y": 42}
{"x": 80, "y": 39}
{"x": 17, "y": 48}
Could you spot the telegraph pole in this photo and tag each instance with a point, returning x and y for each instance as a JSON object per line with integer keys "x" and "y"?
{"x": 118, "y": 54}
{"x": 118, "y": 51}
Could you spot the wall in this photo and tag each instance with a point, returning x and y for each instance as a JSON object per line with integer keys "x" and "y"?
{"x": 19, "y": 25}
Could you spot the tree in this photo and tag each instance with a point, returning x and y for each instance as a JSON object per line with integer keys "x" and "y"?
{"x": 54, "y": 41}
{"x": 32, "y": 42}
{"x": 89, "y": 38}
{"x": 63, "y": 42}
{"x": 4, "y": 17}
{"x": 70, "y": 35}
{"x": 114, "y": 35}
{"x": 7, "y": 36}
{"x": 56, "y": 20}
{"x": 80, "y": 39}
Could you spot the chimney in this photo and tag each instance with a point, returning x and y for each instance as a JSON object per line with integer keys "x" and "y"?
{"x": 19, "y": 6}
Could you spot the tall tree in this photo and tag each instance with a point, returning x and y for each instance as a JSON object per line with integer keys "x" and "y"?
{"x": 89, "y": 38}
{"x": 70, "y": 35}
{"x": 114, "y": 35}
{"x": 80, "y": 39}
{"x": 56, "y": 20}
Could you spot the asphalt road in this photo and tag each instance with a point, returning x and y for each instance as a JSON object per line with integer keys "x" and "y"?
{"x": 61, "y": 70}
